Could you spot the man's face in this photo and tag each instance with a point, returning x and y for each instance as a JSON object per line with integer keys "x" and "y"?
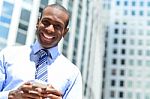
{"x": 51, "y": 27}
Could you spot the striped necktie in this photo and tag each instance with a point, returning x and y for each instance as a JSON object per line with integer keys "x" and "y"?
{"x": 41, "y": 67}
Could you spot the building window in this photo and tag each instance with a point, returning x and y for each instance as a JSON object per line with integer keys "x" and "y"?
{"x": 122, "y": 61}
{"x": 140, "y": 52}
{"x": 122, "y": 72}
{"x": 124, "y": 23}
{"x": 131, "y": 62}
{"x": 114, "y": 51}
{"x": 148, "y": 22}
{"x": 5, "y": 19}
{"x": 148, "y": 63}
{"x": 133, "y": 13}
{"x": 148, "y": 4}
{"x": 130, "y": 84}
{"x": 140, "y": 31}
{"x": 148, "y": 13}
{"x": 141, "y": 3}
{"x": 139, "y": 62}
{"x": 123, "y": 41}
{"x": 123, "y": 51}
{"x": 125, "y": 12}
{"x": 44, "y": 2}
{"x": 113, "y": 82}
{"x": 7, "y": 9}
{"x": 133, "y": 3}
{"x": 114, "y": 61}
{"x": 112, "y": 94}
{"x": 147, "y": 52}
{"x": 148, "y": 42}
{"x": 25, "y": 15}
{"x": 129, "y": 95}
{"x": 147, "y": 96}
{"x": 120, "y": 94}
{"x": 121, "y": 83}
{"x": 21, "y": 38}
{"x": 141, "y": 13}
{"x": 125, "y": 3}
{"x": 116, "y": 22}
{"x": 4, "y": 31}
{"x": 132, "y": 42}
{"x": 113, "y": 72}
{"x": 148, "y": 33}
{"x": 115, "y": 41}
{"x": 116, "y": 31}
{"x": 124, "y": 31}
{"x": 138, "y": 95}
{"x": 23, "y": 26}
{"x": 117, "y": 3}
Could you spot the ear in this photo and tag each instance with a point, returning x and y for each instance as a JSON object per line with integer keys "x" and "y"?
{"x": 37, "y": 22}
{"x": 65, "y": 31}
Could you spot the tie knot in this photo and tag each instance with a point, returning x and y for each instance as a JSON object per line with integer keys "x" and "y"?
{"x": 42, "y": 54}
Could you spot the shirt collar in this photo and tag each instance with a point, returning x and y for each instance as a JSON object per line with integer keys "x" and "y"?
{"x": 53, "y": 51}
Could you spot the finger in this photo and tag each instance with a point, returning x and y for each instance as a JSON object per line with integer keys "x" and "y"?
{"x": 52, "y": 96}
{"x": 53, "y": 91}
{"x": 11, "y": 97}
{"x": 15, "y": 94}
{"x": 38, "y": 89}
{"x": 32, "y": 95}
{"x": 26, "y": 87}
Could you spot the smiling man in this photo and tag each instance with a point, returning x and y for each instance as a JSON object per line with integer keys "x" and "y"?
{"x": 40, "y": 71}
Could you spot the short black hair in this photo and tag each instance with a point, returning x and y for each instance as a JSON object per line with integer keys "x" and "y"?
{"x": 60, "y": 7}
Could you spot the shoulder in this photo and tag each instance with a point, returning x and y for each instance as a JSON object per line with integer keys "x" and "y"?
{"x": 66, "y": 64}
{"x": 15, "y": 50}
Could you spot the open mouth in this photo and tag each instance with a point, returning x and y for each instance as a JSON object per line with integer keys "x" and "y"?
{"x": 49, "y": 37}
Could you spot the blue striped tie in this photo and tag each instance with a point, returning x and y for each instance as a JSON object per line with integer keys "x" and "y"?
{"x": 41, "y": 68}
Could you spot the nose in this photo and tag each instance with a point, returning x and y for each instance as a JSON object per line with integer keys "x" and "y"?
{"x": 50, "y": 28}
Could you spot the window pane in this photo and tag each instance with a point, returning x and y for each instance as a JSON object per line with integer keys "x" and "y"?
{"x": 5, "y": 20}
{"x": 45, "y": 2}
{"x": 21, "y": 38}
{"x": 3, "y": 32}
{"x": 25, "y": 15}
{"x": 7, "y": 8}
{"x": 23, "y": 26}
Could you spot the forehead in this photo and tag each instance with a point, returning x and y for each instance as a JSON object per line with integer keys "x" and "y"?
{"x": 55, "y": 14}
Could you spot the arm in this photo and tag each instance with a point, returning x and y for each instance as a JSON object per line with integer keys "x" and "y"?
{"x": 3, "y": 94}
{"x": 75, "y": 90}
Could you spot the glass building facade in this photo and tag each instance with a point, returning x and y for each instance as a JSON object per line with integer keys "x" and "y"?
{"x": 126, "y": 66}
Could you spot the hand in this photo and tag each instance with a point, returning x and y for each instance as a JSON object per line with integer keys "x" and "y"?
{"x": 52, "y": 93}
{"x": 26, "y": 91}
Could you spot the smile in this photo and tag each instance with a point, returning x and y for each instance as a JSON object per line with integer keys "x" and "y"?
{"x": 48, "y": 36}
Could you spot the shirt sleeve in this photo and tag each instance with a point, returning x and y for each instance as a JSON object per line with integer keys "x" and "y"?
{"x": 75, "y": 89}
{"x": 3, "y": 94}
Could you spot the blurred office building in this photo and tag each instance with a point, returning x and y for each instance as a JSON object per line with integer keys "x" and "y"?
{"x": 83, "y": 45}
{"x": 127, "y": 54}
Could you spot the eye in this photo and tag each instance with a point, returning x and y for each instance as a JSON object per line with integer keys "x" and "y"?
{"x": 45, "y": 23}
{"x": 57, "y": 27}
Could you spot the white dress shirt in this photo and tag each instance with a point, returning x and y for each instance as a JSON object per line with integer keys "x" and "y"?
{"x": 18, "y": 65}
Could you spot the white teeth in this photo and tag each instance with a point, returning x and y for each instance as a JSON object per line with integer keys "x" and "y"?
{"x": 47, "y": 36}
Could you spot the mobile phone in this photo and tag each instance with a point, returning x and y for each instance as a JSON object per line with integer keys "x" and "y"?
{"x": 40, "y": 85}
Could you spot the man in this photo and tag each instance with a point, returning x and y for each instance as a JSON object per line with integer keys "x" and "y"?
{"x": 20, "y": 74}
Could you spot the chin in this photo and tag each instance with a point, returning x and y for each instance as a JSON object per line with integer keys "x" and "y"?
{"x": 47, "y": 47}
